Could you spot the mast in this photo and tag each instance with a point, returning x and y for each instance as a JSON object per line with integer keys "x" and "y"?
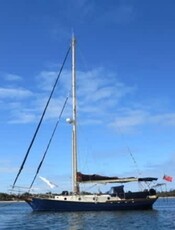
{"x": 75, "y": 186}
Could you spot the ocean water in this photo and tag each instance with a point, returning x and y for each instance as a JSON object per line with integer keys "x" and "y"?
{"x": 18, "y": 215}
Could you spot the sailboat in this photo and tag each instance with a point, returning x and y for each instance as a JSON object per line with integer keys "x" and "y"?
{"x": 113, "y": 200}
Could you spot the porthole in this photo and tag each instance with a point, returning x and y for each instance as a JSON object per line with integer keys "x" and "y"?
{"x": 65, "y": 198}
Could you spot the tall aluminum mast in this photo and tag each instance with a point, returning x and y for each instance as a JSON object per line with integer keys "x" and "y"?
{"x": 75, "y": 186}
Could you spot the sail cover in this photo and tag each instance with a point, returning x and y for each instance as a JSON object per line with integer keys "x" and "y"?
{"x": 95, "y": 178}
{"x": 92, "y": 178}
{"x": 86, "y": 177}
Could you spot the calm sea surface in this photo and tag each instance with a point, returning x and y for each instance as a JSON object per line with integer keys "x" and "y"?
{"x": 20, "y": 216}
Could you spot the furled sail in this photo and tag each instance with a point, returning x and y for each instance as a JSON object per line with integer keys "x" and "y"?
{"x": 95, "y": 178}
{"x": 86, "y": 177}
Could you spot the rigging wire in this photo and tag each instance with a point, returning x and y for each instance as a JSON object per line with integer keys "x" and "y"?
{"x": 131, "y": 154}
{"x": 37, "y": 129}
{"x": 48, "y": 145}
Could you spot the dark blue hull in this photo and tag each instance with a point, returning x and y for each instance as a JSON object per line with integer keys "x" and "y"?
{"x": 40, "y": 204}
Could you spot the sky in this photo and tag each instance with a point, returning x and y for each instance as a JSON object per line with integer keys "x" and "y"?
{"x": 125, "y": 61}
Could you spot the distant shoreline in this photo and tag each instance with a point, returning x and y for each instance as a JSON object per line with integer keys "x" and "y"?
{"x": 11, "y": 201}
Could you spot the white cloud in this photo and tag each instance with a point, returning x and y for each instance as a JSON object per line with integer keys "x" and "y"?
{"x": 46, "y": 80}
{"x": 8, "y": 169}
{"x": 100, "y": 100}
{"x": 128, "y": 120}
{"x": 167, "y": 119}
{"x": 7, "y": 93}
{"x": 22, "y": 117}
{"x": 101, "y": 89}
{"x": 97, "y": 90}
{"x": 12, "y": 77}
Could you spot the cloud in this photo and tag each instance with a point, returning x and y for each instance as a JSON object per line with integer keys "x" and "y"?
{"x": 46, "y": 80}
{"x": 22, "y": 117}
{"x": 12, "y": 77}
{"x": 7, "y": 166}
{"x": 128, "y": 120}
{"x": 165, "y": 166}
{"x": 97, "y": 89}
{"x": 7, "y": 93}
{"x": 116, "y": 14}
{"x": 8, "y": 169}
{"x": 62, "y": 28}
{"x": 100, "y": 90}
{"x": 167, "y": 119}
{"x": 102, "y": 98}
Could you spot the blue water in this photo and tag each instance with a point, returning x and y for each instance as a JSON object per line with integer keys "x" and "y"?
{"x": 20, "y": 216}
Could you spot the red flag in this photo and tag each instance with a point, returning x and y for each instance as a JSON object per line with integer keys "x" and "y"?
{"x": 168, "y": 178}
